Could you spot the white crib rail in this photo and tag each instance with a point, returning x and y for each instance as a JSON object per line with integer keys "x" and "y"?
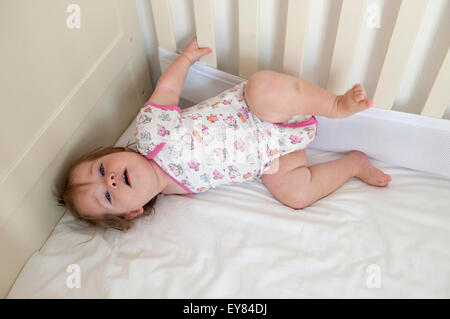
{"x": 204, "y": 25}
{"x": 438, "y": 98}
{"x": 350, "y": 20}
{"x": 402, "y": 40}
{"x": 162, "y": 14}
{"x": 403, "y": 35}
{"x": 248, "y": 37}
{"x": 296, "y": 30}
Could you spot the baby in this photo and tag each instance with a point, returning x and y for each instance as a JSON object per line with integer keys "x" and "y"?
{"x": 258, "y": 128}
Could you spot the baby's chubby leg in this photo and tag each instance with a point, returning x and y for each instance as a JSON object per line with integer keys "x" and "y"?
{"x": 277, "y": 97}
{"x": 298, "y": 186}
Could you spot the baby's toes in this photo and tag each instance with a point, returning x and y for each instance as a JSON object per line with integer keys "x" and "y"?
{"x": 358, "y": 93}
{"x": 356, "y": 89}
{"x": 383, "y": 179}
{"x": 359, "y": 96}
{"x": 365, "y": 103}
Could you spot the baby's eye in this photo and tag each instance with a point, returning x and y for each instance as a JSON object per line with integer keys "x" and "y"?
{"x": 108, "y": 197}
{"x": 102, "y": 169}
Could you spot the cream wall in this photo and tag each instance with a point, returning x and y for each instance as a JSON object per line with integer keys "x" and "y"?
{"x": 63, "y": 91}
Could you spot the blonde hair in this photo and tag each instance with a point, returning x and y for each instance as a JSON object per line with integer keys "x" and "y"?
{"x": 66, "y": 195}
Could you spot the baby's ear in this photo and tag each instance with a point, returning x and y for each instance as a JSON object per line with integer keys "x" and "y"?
{"x": 134, "y": 213}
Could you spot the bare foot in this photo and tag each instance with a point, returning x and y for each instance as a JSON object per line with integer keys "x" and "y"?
{"x": 367, "y": 172}
{"x": 353, "y": 101}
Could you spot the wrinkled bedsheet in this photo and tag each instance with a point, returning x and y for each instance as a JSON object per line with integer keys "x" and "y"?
{"x": 240, "y": 242}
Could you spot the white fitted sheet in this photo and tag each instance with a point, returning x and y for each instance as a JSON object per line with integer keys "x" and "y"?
{"x": 240, "y": 242}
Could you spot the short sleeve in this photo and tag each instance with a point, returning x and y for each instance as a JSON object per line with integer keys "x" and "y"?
{"x": 154, "y": 126}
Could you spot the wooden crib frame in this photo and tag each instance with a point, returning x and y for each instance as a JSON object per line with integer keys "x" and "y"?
{"x": 400, "y": 46}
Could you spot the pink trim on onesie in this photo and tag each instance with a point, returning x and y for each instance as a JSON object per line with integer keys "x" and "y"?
{"x": 179, "y": 183}
{"x": 164, "y": 107}
{"x": 158, "y": 148}
{"x": 155, "y": 151}
{"x": 312, "y": 120}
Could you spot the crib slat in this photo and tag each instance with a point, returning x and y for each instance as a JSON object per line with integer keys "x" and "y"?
{"x": 204, "y": 28}
{"x": 439, "y": 97}
{"x": 350, "y": 20}
{"x": 162, "y": 15}
{"x": 401, "y": 43}
{"x": 248, "y": 37}
{"x": 296, "y": 30}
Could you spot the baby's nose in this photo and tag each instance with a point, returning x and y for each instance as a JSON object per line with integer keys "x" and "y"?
{"x": 112, "y": 180}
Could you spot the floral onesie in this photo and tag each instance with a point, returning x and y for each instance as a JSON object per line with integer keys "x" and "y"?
{"x": 217, "y": 142}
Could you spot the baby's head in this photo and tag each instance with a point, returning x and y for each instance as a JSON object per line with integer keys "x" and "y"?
{"x": 110, "y": 186}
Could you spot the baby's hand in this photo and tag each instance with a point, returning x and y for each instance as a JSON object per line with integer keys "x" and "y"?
{"x": 193, "y": 52}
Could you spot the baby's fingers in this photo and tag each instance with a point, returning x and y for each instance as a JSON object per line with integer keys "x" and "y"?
{"x": 204, "y": 51}
{"x": 201, "y": 52}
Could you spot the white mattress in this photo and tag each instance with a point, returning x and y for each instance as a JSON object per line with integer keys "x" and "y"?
{"x": 240, "y": 242}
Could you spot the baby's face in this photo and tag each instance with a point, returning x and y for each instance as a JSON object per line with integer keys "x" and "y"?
{"x": 118, "y": 183}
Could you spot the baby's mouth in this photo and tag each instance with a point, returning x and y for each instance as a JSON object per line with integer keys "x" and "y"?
{"x": 125, "y": 178}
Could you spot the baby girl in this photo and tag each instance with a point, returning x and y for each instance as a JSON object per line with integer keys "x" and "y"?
{"x": 258, "y": 128}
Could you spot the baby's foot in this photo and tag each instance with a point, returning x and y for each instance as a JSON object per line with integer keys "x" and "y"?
{"x": 353, "y": 101}
{"x": 367, "y": 172}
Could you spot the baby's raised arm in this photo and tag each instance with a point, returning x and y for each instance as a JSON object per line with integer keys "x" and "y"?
{"x": 170, "y": 84}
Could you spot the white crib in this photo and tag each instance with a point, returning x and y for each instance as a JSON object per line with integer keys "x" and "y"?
{"x": 238, "y": 241}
